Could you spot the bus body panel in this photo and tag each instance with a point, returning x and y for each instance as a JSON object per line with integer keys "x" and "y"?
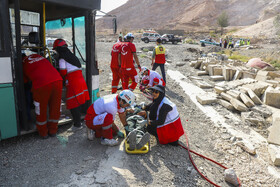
{"x": 8, "y": 120}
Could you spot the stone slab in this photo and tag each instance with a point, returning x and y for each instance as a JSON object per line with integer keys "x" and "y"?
{"x": 206, "y": 99}
{"x": 274, "y": 152}
{"x": 225, "y": 104}
{"x": 226, "y": 96}
{"x": 197, "y": 65}
{"x": 272, "y": 97}
{"x": 257, "y": 87}
{"x": 201, "y": 73}
{"x": 274, "y": 130}
{"x": 252, "y": 117}
{"x": 234, "y": 93}
{"x": 247, "y": 74}
{"x": 217, "y": 78}
{"x": 219, "y": 89}
{"x": 238, "y": 75}
{"x": 254, "y": 97}
{"x": 204, "y": 85}
{"x": 238, "y": 105}
{"x": 246, "y": 100}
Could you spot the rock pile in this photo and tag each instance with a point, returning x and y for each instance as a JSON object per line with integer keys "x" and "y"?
{"x": 254, "y": 93}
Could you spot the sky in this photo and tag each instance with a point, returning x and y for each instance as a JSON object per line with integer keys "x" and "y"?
{"x": 108, "y": 5}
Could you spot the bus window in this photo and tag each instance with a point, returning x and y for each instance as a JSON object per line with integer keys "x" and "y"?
{"x": 80, "y": 42}
{"x": 1, "y": 36}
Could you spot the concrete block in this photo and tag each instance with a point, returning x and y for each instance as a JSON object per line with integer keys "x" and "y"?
{"x": 254, "y": 97}
{"x": 262, "y": 76}
{"x": 273, "y": 83}
{"x": 226, "y": 73}
{"x": 206, "y": 99}
{"x": 246, "y": 100}
{"x": 238, "y": 105}
{"x": 258, "y": 87}
{"x": 274, "y": 152}
{"x": 274, "y": 131}
{"x": 266, "y": 75}
{"x": 204, "y": 85}
{"x": 225, "y": 104}
{"x": 192, "y": 63}
{"x": 226, "y": 96}
{"x": 237, "y": 75}
{"x": 214, "y": 69}
{"x": 196, "y": 78}
{"x": 262, "y": 110}
{"x": 219, "y": 90}
{"x": 247, "y": 74}
{"x": 217, "y": 78}
{"x": 272, "y": 97}
{"x": 232, "y": 73}
{"x": 218, "y": 70}
{"x": 234, "y": 93}
{"x": 201, "y": 73}
{"x": 197, "y": 65}
{"x": 252, "y": 117}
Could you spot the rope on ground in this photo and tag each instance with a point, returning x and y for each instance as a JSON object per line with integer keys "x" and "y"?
{"x": 191, "y": 151}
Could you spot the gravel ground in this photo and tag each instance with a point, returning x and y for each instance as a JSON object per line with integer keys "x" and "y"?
{"x": 71, "y": 160}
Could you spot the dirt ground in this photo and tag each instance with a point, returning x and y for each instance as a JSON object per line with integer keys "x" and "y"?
{"x": 71, "y": 160}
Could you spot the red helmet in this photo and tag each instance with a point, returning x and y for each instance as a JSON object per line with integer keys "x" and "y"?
{"x": 59, "y": 43}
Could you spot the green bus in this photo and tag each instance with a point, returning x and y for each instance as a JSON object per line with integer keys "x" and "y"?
{"x": 28, "y": 25}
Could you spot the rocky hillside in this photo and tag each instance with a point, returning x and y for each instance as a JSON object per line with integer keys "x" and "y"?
{"x": 189, "y": 14}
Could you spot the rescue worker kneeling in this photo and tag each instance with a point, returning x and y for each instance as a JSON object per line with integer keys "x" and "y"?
{"x": 136, "y": 127}
{"x": 101, "y": 115}
{"x": 151, "y": 78}
{"x": 164, "y": 119}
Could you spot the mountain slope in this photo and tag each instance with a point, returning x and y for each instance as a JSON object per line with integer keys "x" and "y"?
{"x": 188, "y": 14}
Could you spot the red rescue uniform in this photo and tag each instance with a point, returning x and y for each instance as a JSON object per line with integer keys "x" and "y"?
{"x": 127, "y": 65}
{"x": 101, "y": 115}
{"x": 76, "y": 87}
{"x": 172, "y": 128}
{"x": 116, "y": 70}
{"x": 46, "y": 89}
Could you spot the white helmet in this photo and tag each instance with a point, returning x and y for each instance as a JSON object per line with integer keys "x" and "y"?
{"x": 128, "y": 96}
{"x": 129, "y": 35}
{"x": 144, "y": 68}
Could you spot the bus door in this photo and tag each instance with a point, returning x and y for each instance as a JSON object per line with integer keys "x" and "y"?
{"x": 8, "y": 117}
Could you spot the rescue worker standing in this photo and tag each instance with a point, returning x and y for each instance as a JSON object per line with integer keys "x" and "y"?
{"x": 100, "y": 116}
{"x": 76, "y": 88}
{"x": 158, "y": 58}
{"x": 116, "y": 70}
{"x": 125, "y": 59}
{"x": 46, "y": 89}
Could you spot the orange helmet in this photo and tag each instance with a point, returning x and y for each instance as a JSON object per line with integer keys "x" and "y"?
{"x": 59, "y": 43}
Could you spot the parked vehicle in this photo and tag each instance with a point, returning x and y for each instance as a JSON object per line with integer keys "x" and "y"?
{"x": 170, "y": 38}
{"x": 208, "y": 42}
{"x": 150, "y": 36}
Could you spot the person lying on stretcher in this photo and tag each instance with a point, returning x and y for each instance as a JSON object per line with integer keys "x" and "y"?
{"x": 135, "y": 129}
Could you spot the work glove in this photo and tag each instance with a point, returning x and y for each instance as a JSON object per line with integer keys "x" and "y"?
{"x": 126, "y": 128}
{"x": 142, "y": 105}
{"x": 120, "y": 134}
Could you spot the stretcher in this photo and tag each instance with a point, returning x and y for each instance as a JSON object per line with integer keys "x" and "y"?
{"x": 143, "y": 150}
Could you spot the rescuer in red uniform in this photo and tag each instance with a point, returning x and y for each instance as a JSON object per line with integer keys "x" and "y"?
{"x": 46, "y": 89}
{"x": 126, "y": 55}
{"x": 116, "y": 70}
{"x": 76, "y": 88}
